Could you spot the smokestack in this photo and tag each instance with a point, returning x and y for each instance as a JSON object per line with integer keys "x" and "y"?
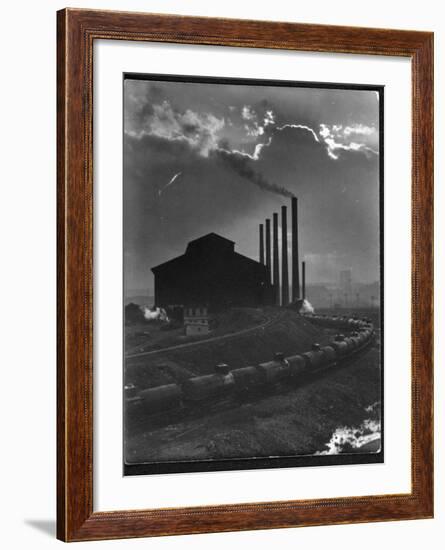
{"x": 275, "y": 261}
{"x": 284, "y": 264}
{"x": 268, "y": 262}
{"x": 303, "y": 279}
{"x": 295, "y": 260}
{"x": 261, "y": 243}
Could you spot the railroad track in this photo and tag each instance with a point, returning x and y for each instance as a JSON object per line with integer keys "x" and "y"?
{"x": 267, "y": 324}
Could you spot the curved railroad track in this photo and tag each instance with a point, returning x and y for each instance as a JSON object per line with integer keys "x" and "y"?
{"x": 274, "y": 318}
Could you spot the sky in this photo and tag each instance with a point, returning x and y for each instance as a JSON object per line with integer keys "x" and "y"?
{"x": 212, "y": 157}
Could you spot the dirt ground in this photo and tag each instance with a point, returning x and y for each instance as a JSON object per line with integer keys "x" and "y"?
{"x": 150, "y": 336}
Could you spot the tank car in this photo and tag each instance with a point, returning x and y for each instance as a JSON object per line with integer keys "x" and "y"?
{"x": 330, "y": 355}
{"x": 350, "y": 345}
{"x": 314, "y": 358}
{"x": 246, "y": 378}
{"x": 201, "y": 388}
{"x": 366, "y": 334}
{"x": 297, "y": 366}
{"x": 161, "y": 398}
{"x": 274, "y": 371}
{"x": 339, "y": 346}
{"x": 356, "y": 340}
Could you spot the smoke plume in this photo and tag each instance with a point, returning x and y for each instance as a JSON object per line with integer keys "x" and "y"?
{"x": 241, "y": 165}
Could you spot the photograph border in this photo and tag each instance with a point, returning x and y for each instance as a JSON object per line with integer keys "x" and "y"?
{"x": 285, "y": 461}
{"x": 76, "y": 32}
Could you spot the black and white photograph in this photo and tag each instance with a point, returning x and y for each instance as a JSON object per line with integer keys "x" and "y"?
{"x": 253, "y": 274}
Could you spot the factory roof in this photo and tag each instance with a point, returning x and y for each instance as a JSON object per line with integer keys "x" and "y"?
{"x": 207, "y": 245}
{"x": 210, "y": 242}
{"x": 211, "y": 238}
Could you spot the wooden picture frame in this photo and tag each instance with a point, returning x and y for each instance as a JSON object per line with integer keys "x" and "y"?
{"x": 77, "y": 31}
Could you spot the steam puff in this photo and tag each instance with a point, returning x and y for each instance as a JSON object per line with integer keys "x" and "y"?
{"x": 241, "y": 165}
{"x": 306, "y": 307}
{"x": 158, "y": 314}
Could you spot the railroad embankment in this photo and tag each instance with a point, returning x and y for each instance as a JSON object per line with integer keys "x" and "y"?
{"x": 280, "y": 330}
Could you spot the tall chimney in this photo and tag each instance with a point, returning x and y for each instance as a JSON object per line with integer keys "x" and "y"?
{"x": 295, "y": 260}
{"x": 261, "y": 243}
{"x": 303, "y": 279}
{"x": 268, "y": 261}
{"x": 284, "y": 264}
{"x": 275, "y": 261}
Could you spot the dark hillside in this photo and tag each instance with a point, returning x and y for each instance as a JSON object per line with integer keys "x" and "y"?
{"x": 286, "y": 332}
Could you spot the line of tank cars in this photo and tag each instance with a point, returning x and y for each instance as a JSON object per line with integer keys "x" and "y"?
{"x": 227, "y": 382}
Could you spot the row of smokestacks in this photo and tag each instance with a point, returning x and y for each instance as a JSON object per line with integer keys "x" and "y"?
{"x": 270, "y": 256}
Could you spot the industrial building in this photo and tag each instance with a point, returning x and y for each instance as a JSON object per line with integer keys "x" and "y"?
{"x": 210, "y": 273}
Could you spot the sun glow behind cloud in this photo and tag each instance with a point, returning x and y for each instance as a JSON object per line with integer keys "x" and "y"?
{"x": 205, "y": 132}
{"x": 337, "y": 139}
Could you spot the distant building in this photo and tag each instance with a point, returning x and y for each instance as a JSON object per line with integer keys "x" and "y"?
{"x": 212, "y": 273}
{"x": 331, "y": 295}
{"x": 368, "y": 294}
{"x": 346, "y": 280}
{"x": 319, "y": 295}
{"x": 197, "y": 321}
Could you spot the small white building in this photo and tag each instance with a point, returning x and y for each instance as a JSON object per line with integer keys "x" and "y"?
{"x": 196, "y": 320}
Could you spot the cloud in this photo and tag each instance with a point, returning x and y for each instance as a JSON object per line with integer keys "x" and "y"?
{"x": 200, "y": 131}
{"x": 247, "y": 113}
{"x": 224, "y": 147}
{"x": 301, "y": 127}
{"x": 256, "y": 124}
{"x": 252, "y": 126}
{"x": 359, "y": 129}
{"x": 203, "y": 133}
{"x": 269, "y": 118}
{"x": 255, "y": 130}
{"x": 337, "y": 139}
{"x": 260, "y": 146}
